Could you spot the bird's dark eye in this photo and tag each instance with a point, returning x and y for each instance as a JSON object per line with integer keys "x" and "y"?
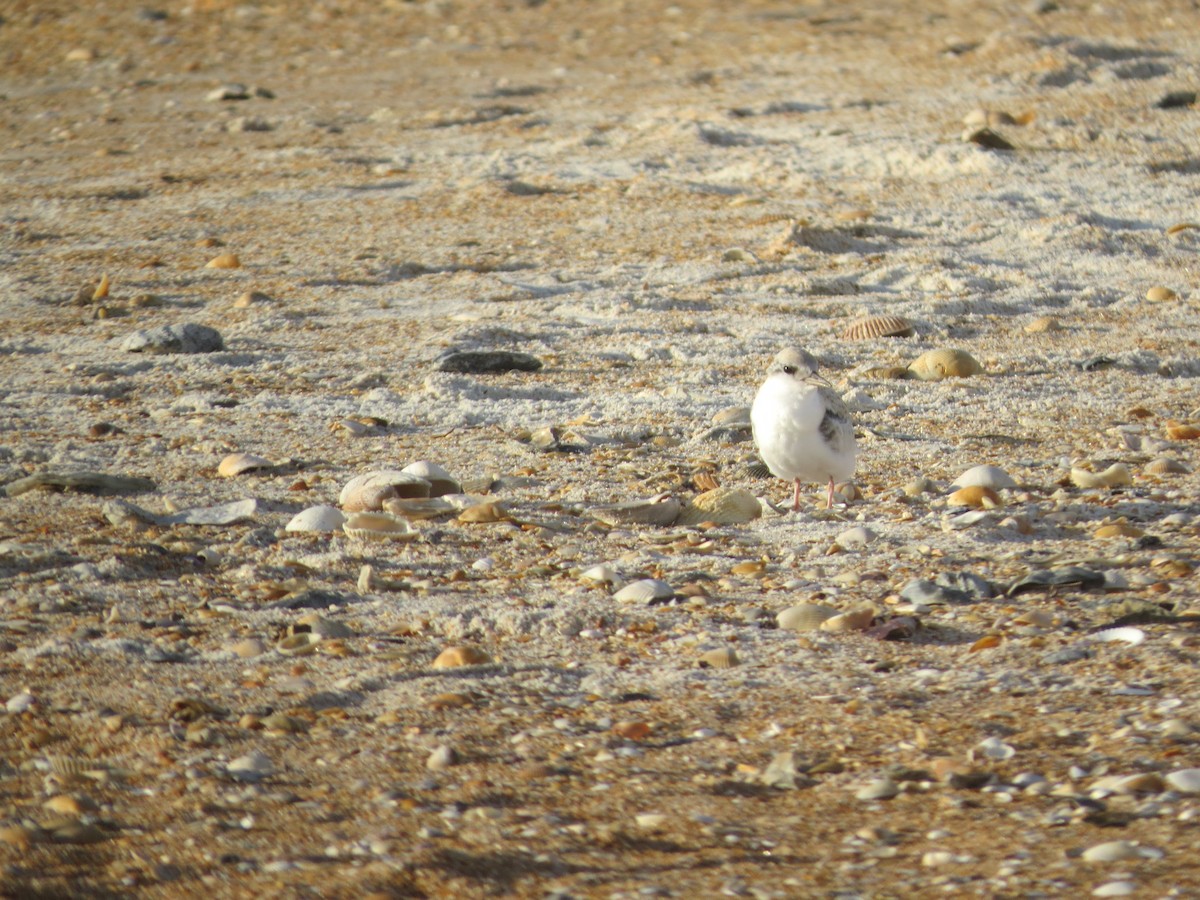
{"x": 789, "y": 370}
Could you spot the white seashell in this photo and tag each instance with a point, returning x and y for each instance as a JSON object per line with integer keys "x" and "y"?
{"x": 647, "y": 590}
{"x": 440, "y": 481}
{"x": 984, "y": 476}
{"x": 722, "y": 505}
{"x": 1127, "y": 634}
{"x": 254, "y": 766}
{"x": 1115, "y": 475}
{"x": 855, "y": 538}
{"x": 365, "y": 526}
{"x": 1185, "y": 780}
{"x": 993, "y": 748}
{"x": 240, "y": 463}
{"x": 601, "y": 574}
{"x": 369, "y": 490}
{"x": 1116, "y": 889}
{"x": 1111, "y": 851}
{"x": 804, "y": 617}
{"x": 317, "y": 518}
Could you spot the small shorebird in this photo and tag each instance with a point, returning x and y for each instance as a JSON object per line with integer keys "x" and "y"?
{"x": 801, "y": 426}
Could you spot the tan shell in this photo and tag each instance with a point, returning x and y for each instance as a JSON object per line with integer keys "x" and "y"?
{"x": 858, "y": 619}
{"x": 1179, "y": 431}
{"x": 457, "y": 657}
{"x": 1160, "y": 294}
{"x": 804, "y": 617}
{"x": 934, "y": 365}
{"x": 240, "y": 463}
{"x": 483, "y": 513}
{"x": 660, "y": 510}
{"x": 721, "y": 658}
{"x": 224, "y": 261}
{"x": 1114, "y": 475}
{"x": 1164, "y": 465}
{"x": 440, "y": 481}
{"x": 723, "y": 505}
{"x": 1118, "y": 529}
{"x": 877, "y": 327}
{"x": 1043, "y": 324}
{"x": 975, "y": 495}
{"x": 368, "y": 526}
{"x": 367, "y": 492}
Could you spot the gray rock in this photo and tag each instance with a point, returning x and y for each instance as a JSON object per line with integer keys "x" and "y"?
{"x": 186, "y": 337}
{"x": 969, "y": 583}
{"x": 928, "y": 593}
{"x": 488, "y": 362}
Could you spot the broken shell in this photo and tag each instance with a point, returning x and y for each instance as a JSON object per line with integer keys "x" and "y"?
{"x": 317, "y": 518}
{"x": 1118, "y": 529}
{"x": 416, "y": 508}
{"x": 855, "y": 620}
{"x": 660, "y": 510}
{"x": 365, "y": 526}
{"x": 1160, "y": 294}
{"x": 457, "y": 657}
{"x": 647, "y": 590}
{"x": 600, "y": 574}
{"x": 1113, "y": 476}
{"x": 1164, "y": 465}
{"x": 368, "y": 491}
{"x": 1043, "y": 324}
{"x": 721, "y": 658}
{"x": 240, "y": 463}
{"x": 935, "y": 365}
{"x": 224, "y": 261}
{"x": 984, "y": 476}
{"x": 877, "y": 327}
{"x": 977, "y": 496}
{"x": 804, "y": 617}
{"x": 325, "y": 628}
{"x": 723, "y": 505}
{"x": 440, "y": 481}
{"x": 302, "y": 644}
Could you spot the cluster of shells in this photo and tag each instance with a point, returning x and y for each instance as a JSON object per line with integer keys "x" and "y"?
{"x": 381, "y": 505}
{"x": 719, "y": 506}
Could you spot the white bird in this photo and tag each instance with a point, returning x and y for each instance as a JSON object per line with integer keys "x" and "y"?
{"x": 801, "y": 426}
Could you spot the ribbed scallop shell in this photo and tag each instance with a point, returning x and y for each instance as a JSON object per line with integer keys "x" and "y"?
{"x": 368, "y": 491}
{"x": 877, "y": 327}
{"x": 1164, "y": 465}
{"x": 804, "y": 617}
{"x": 721, "y": 658}
{"x": 722, "y": 505}
{"x": 661, "y": 510}
{"x": 935, "y": 365}
{"x": 646, "y": 590}
{"x": 440, "y": 481}
{"x": 366, "y": 526}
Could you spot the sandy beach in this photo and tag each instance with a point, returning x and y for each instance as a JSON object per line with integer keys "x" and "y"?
{"x": 546, "y": 250}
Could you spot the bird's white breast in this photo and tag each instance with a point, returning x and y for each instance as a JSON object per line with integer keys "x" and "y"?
{"x": 786, "y": 418}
